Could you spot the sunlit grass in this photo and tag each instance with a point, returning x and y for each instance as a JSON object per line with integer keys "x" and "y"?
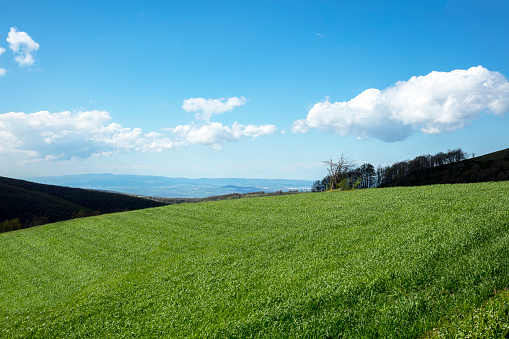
{"x": 366, "y": 263}
{"x": 491, "y": 320}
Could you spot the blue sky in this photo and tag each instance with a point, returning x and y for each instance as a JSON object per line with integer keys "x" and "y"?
{"x": 253, "y": 89}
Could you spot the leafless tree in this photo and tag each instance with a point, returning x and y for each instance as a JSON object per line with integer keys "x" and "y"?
{"x": 336, "y": 170}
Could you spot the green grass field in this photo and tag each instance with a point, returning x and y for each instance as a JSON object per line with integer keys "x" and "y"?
{"x": 387, "y": 263}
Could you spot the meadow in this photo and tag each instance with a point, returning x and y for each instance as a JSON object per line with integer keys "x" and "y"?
{"x": 387, "y": 263}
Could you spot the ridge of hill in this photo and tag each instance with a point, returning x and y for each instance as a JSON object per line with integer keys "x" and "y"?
{"x": 373, "y": 263}
{"x": 489, "y": 167}
{"x": 35, "y": 204}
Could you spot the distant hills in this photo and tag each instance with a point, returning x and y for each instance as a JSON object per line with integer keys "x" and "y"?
{"x": 159, "y": 186}
{"x": 25, "y": 204}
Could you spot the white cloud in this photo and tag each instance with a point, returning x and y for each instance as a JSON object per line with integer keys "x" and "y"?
{"x": 434, "y": 103}
{"x": 300, "y": 126}
{"x": 209, "y": 107}
{"x": 45, "y": 135}
{"x": 214, "y": 134}
{"x": 21, "y": 43}
{"x": 252, "y": 131}
{"x": 2, "y": 50}
{"x": 8, "y": 141}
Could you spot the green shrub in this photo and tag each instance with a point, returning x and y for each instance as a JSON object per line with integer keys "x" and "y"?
{"x": 10, "y": 225}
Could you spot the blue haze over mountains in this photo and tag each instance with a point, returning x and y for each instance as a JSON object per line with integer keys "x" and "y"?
{"x": 158, "y": 186}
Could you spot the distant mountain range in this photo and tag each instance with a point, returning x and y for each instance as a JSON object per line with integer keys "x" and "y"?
{"x": 159, "y": 186}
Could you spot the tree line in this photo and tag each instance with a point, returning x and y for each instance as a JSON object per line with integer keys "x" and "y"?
{"x": 343, "y": 174}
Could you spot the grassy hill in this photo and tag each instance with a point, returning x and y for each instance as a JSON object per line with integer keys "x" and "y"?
{"x": 388, "y": 263}
{"x": 34, "y": 203}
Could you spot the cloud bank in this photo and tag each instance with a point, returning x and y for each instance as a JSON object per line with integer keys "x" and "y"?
{"x": 434, "y": 103}
{"x": 65, "y": 135}
{"x": 23, "y": 45}
{"x": 49, "y": 136}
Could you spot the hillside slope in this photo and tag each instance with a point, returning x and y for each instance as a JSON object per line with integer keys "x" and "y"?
{"x": 390, "y": 263}
{"x": 27, "y": 201}
{"x": 16, "y": 202}
{"x": 489, "y": 167}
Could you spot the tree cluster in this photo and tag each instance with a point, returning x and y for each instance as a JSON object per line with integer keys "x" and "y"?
{"x": 16, "y": 224}
{"x": 344, "y": 175}
{"x": 443, "y": 167}
{"x": 412, "y": 172}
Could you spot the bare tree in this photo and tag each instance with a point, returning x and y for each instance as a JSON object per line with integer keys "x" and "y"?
{"x": 337, "y": 170}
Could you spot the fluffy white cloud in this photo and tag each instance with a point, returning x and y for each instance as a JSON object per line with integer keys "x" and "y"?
{"x": 21, "y": 43}
{"x": 8, "y": 141}
{"x": 214, "y": 134}
{"x": 209, "y": 107}
{"x": 45, "y": 135}
{"x": 253, "y": 131}
{"x": 437, "y": 102}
